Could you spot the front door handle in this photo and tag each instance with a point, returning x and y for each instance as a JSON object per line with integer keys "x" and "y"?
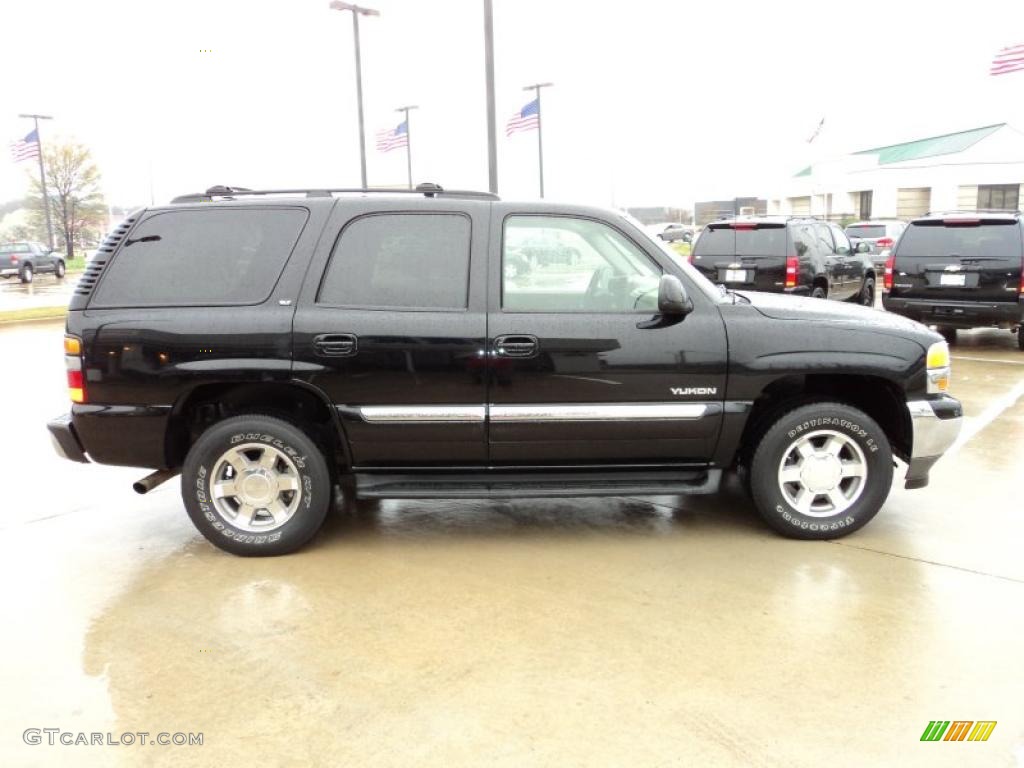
{"x": 336, "y": 344}
{"x": 515, "y": 345}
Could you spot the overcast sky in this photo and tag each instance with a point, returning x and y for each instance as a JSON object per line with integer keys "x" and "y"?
{"x": 654, "y": 103}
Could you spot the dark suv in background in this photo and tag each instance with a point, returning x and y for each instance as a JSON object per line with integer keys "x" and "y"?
{"x": 800, "y": 255}
{"x": 959, "y": 270}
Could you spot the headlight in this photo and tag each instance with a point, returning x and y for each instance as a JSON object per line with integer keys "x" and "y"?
{"x": 938, "y": 367}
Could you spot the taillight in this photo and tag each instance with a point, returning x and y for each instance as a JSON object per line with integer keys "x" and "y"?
{"x": 14, "y": 260}
{"x": 73, "y": 363}
{"x": 890, "y": 265}
{"x": 792, "y": 271}
{"x": 885, "y": 242}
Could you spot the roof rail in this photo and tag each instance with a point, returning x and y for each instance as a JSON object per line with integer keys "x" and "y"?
{"x": 426, "y": 189}
{"x": 1006, "y": 211}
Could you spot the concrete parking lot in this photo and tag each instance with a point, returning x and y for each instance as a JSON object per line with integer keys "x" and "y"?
{"x": 44, "y": 291}
{"x": 620, "y": 632}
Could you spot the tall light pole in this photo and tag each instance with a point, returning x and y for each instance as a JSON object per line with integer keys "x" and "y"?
{"x": 358, "y": 11}
{"x": 492, "y": 126}
{"x": 42, "y": 173}
{"x": 540, "y": 137}
{"x": 408, "y": 140}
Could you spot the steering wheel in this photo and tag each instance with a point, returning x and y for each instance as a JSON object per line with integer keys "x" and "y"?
{"x": 599, "y": 281}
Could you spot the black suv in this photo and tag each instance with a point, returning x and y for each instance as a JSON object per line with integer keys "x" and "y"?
{"x": 959, "y": 270}
{"x": 271, "y": 347}
{"x": 800, "y": 255}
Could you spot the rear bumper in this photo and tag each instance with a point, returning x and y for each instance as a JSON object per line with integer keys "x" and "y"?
{"x": 8, "y": 271}
{"x": 957, "y": 314}
{"x": 936, "y": 424}
{"x": 65, "y": 439}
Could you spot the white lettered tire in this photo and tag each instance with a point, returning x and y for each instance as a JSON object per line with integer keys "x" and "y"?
{"x": 256, "y": 485}
{"x": 821, "y": 471}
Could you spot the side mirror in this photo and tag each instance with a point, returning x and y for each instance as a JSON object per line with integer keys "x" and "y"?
{"x": 863, "y": 247}
{"x": 672, "y": 298}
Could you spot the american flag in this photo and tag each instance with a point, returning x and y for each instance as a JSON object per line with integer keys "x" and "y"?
{"x": 525, "y": 119}
{"x": 1008, "y": 60}
{"x": 393, "y": 138}
{"x": 26, "y": 148}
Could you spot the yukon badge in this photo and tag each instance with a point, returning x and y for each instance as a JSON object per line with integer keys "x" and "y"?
{"x": 953, "y": 268}
{"x": 693, "y": 390}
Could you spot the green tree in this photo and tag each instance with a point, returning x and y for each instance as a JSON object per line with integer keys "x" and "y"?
{"x": 77, "y": 208}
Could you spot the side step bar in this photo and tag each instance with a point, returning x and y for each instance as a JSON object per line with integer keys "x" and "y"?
{"x": 521, "y": 485}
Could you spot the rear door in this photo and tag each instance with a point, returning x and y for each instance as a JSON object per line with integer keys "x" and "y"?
{"x": 744, "y": 254}
{"x": 392, "y": 327}
{"x": 851, "y": 264}
{"x": 960, "y": 259}
{"x": 576, "y": 377}
{"x": 833, "y": 266}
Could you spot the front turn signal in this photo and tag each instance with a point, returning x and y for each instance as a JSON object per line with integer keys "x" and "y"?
{"x": 939, "y": 367}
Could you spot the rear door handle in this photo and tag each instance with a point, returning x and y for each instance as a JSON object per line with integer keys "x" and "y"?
{"x": 517, "y": 345}
{"x": 336, "y": 344}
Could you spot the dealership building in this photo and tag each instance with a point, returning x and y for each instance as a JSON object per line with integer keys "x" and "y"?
{"x": 969, "y": 170}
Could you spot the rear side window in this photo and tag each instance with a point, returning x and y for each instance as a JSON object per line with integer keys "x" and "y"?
{"x": 866, "y": 231}
{"x": 400, "y": 261}
{"x": 764, "y": 240}
{"x": 935, "y": 240}
{"x": 196, "y": 257}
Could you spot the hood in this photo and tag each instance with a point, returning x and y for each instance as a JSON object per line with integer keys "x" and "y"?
{"x": 780, "y": 306}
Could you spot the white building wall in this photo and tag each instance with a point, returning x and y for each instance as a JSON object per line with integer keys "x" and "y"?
{"x": 997, "y": 159}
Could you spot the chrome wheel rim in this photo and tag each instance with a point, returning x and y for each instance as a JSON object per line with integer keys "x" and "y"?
{"x": 822, "y": 473}
{"x": 255, "y": 487}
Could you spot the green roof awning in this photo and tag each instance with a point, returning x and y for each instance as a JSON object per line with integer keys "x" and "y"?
{"x": 947, "y": 144}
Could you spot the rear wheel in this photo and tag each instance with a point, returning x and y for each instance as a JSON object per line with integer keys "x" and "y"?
{"x": 949, "y": 334}
{"x": 27, "y": 274}
{"x": 819, "y": 292}
{"x": 867, "y": 292}
{"x": 821, "y": 471}
{"x": 256, "y": 485}
{"x": 1020, "y": 338}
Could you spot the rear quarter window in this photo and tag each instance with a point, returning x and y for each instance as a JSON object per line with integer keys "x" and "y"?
{"x": 201, "y": 257}
{"x": 937, "y": 241}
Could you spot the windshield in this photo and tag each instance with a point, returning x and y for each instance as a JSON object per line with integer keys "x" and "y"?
{"x": 706, "y": 286}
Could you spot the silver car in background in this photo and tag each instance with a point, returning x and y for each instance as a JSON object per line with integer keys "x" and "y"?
{"x": 880, "y": 234}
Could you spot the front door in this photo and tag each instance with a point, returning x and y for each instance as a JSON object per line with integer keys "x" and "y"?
{"x": 391, "y": 326}
{"x": 576, "y": 377}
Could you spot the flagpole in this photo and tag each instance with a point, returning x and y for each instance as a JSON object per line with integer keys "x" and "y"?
{"x": 42, "y": 174}
{"x": 408, "y": 140}
{"x": 540, "y": 137}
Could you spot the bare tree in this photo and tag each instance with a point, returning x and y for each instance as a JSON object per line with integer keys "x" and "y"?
{"x": 76, "y": 202}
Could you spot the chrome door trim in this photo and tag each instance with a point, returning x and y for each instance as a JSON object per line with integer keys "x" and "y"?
{"x": 393, "y": 414}
{"x": 598, "y": 412}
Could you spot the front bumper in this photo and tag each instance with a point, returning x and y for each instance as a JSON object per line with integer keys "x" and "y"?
{"x": 8, "y": 271}
{"x": 936, "y": 424}
{"x": 65, "y": 439}
{"x": 957, "y": 314}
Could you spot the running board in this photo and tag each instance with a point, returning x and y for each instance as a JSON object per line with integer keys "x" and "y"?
{"x": 521, "y": 485}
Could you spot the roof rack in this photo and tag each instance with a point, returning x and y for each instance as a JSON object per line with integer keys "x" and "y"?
{"x": 427, "y": 190}
{"x": 973, "y": 210}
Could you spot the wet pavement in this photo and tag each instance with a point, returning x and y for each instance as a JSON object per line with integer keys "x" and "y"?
{"x": 45, "y": 291}
{"x": 622, "y": 632}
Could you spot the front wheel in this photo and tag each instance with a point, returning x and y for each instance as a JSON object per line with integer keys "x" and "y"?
{"x": 256, "y": 485}
{"x": 821, "y": 471}
{"x": 59, "y": 269}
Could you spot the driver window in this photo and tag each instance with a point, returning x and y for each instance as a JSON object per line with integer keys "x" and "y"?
{"x": 843, "y": 247}
{"x": 565, "y": 264}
